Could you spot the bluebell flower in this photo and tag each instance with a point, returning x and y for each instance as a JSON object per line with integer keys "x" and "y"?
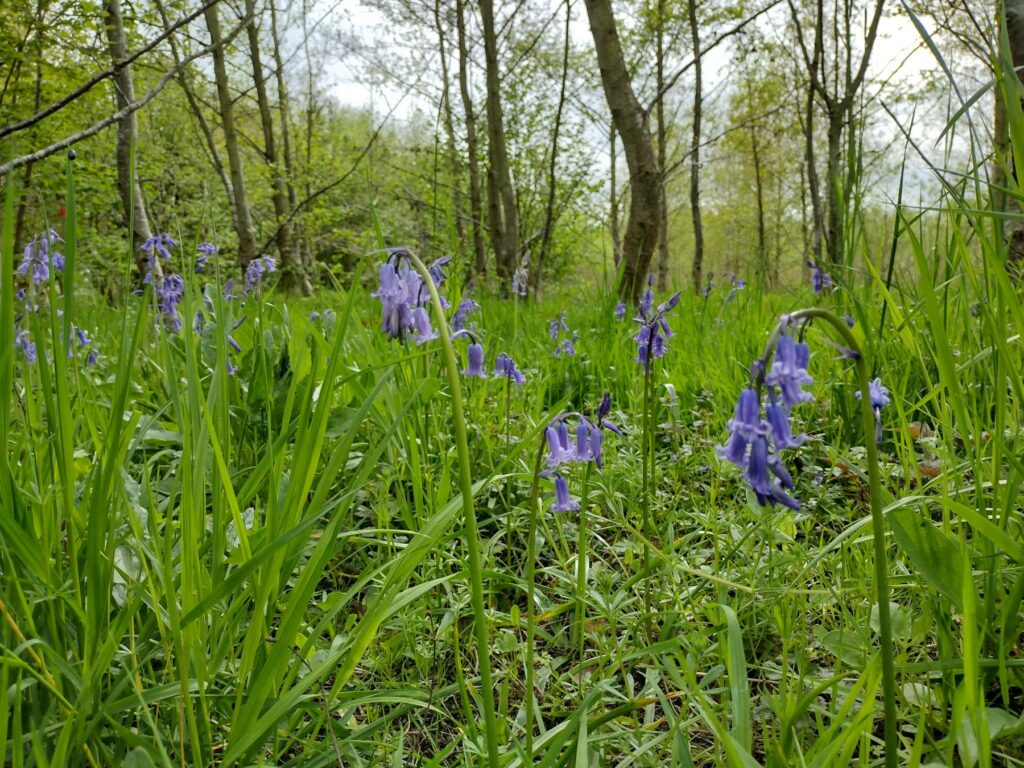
{"x": 744, "y": 427}
{"x": 24, "y": 343}
{"x": 620, "y": 311}
{"x": 559, "y": 451}
{"x": 563, "y": 502}
{"x": 83, "y": 337}
{"x": 200, "y": 321}
{"x": 602, "y": 414}
{"x": 436, "y": 270}
{"x": 789, "y": 371}
{"x": 39, "y": 257}
{"x": 506, "y": 367}
{"x": 782, "y": 436}
{"x": 646, "y": 305}
{"x": 583, "y": 452}
{"x": 820, "y": 279}
{"x": 556, "y": 326}
{"x": 423, "y": 330}
{"x": 205, "y": 251}
{"x": 159, "y": 244}
{"x": 520, "y": 279}
{"x": 475, "y": 356}
{"x": 255, "y": 271}
{"x": 92, "y": 357}
{"x": 232, "y": 369}
{"x": 597, "y": 446}
{"x": 466, "y": 307}
{"x": 169, "y": 291}
{"x": 229, "y": 291}
{"x": 850, "y": 322}
{"x": 566, "y": 348}
{"x": 757, "y": 475}
{"x": 879, "y": 394}
{"x": 654, "y": 327}
{"x": 709, "y": 285}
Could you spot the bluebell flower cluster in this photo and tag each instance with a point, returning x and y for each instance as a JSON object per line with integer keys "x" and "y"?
{"x": 585, "y": 445}
{"x": 160, "y": 245}
{"x": 820, "y": 279}
{"x": 23, "y": 342}
{"x": 169, "y": 291}
{"x": 737, "y": 284}
{"x": 505, "y": 366}
{"x": 204, "y": 251}
{"x": 40, "y": 257}
{"x": 401, "y": 292}
{"x": 466, "y": 308}
{"x": 256, "y": 270}
{"x": 709, "y": 285}
{"x": 565, "y": 347}
{"x": 654, "y": 327}
{"x": 755, "y": 442}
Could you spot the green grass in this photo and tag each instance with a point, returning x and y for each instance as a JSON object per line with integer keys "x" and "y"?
{"x": 275, "y": 567}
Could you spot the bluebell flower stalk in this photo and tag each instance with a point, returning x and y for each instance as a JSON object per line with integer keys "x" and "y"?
{"x": 472, "y": 536}
{"x": 786, "y": 378}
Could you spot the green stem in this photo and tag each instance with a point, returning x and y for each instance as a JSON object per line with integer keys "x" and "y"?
{"x": 877, "y": 526}
{"x": 472, "y": 536}
{"x": 531, "y": 588}
{"x": 645, "y": 507}
{"x": 581, "y": 572}
{"x": 508, "y": 477}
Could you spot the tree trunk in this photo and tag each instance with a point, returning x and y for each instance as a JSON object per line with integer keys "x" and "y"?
{"x": 292, "y": 277}
{"x": 133, "y": 206}
{"x": 698, "y": 112}
{"x": 287, "y": 158}
{"x": 242, "y": 217}
{"x": 454, "y": 167}
{"x": 549, "y": 213}
{"x": 503, "y": 212}
{"x": 614, "y": 214}
{"x": 763, "y": 269}
{"x": 834, "y": 225}
{"x": 662, "y": 164}
{"x": 1004, "y": 173}
{"x": 476, "y": 211}
{"x": 630, "y": 119}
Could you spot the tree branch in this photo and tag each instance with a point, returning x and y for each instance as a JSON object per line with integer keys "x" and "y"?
{"x": 66, "y": 142}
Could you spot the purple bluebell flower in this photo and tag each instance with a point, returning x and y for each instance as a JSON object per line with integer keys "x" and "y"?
{"x": 782, "y": 436}
{"x": 820, "y": 279}
{"x": 39, "y": 257}
{"x": 83, "y": 337}
{"x": 563, "y": 502}
{"x": 475, "y": 356}
{"x": 205, "y": 251}
{"x": 602, "y": 414}
{"x": 234, "y": 344}
{"x": 620, "y": 311}
{"x": 743, "y": 428}
{"x": 709, "y": 285}
{"x": 169, "y": 291}
{"x": 231, "y": 367}
{"x": 24, "y": 343}
{"x": 556, "y": 326}
{"x": 654, "y": 327}
{"x": 583, "y": 452}
{"x": 646, "y": 305}
{"x": 466, "y": 307}
{"x": 850, "y": 322}
{"x": 879, "y": 394}
{"x": 757, "y": 475}
{"x": 255, "y": 271}
{"x": 423, "y": 330}
{"x": 505, "y": 366}
{"x": 566, "y": 348}
{"x": 229, "y": 291}
{"x": 92, "y": 357}
{"x": 200, "y": 321}
{"x": 559, "y": 451}
{"x": 597, "y": 446}
{"x": 789, "y": 371}
{"x": 520, "y": 279}
{"x": 436, "y": 270}
{"x": 159, "y": 244}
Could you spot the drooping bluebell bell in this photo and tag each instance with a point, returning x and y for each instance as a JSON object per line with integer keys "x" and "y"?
{"x": 597, "y": 447}
{"x": 567, "y": 347}
{"x": 506, "y": 367}
{"x": 789, "y": 371}
{"x": 738, "y": 284}
{"x": 256, "y": 270}
{"x": 559, "y": 450}
{"x": 436, "y": 270}
{"x": 556, "y": 326}
{"x": 879, "y": 394}
{"x": 602, "y": 414}
{"x": 422, "y": 328}
{"x": 757, "y": 475}
{"x": 744, "y": 427}
{"x": 620, "y": 311}
{"x": 199, "y": 322}
{"x": 782, "y": 435}
{"x": 646, "y": 305}
{"x": 475, "y": 358}
{"x": 563, "y": 502}
{"x": 583, "y": 453}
